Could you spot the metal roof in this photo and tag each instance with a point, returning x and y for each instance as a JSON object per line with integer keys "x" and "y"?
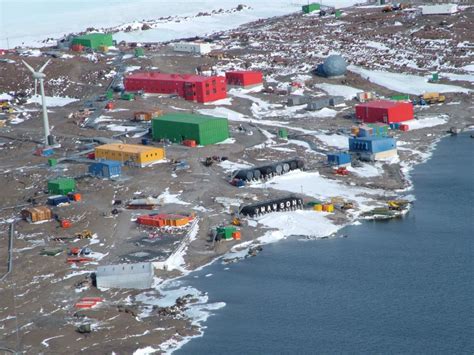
{"x": 128, "y": 148}
{"x": 383, "y": 104}
{"x": 172, "y": 77}
{"x": 188, "y": 118}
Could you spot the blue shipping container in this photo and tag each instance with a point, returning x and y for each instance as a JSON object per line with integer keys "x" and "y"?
{"x": 339, "y": 158}
{"x": 371, "y": 144}
{"x": 106, "y": 169}
{"x": 57, "y": 200}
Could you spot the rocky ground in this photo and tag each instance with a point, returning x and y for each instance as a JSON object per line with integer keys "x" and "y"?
{"x": 37, "y": 313}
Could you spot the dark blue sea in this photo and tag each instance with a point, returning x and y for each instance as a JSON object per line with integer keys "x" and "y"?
{"x": 402, "y": 286}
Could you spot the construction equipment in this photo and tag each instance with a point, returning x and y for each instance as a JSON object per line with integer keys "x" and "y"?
{"x": 236, "y": 221}
{"x": 433, "y": 98}
{"x": 85, "y": 234}
{"x": 397, "y": 205}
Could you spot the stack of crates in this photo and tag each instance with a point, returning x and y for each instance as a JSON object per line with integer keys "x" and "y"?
{"x": 379, "y": 130}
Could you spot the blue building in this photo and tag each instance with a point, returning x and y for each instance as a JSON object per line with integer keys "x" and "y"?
{"x": 106, "y": 169}
{"x": 373, "y": 148}
{"x": 339, "y": 158}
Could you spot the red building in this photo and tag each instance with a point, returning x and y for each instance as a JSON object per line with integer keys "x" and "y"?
{"x": 244, "y": 78}
{"x": 191, "y": 87}
{"x": 384, "y": 111}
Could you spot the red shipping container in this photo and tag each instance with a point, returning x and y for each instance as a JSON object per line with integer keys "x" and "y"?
{"x": 77, "y": 48}
{"x": 109, "y": 106}
{"x": 189, "y": 143}
{"x": 384, "y": 111}
{"x": 404, "y": 127}
{"x": 244, "y": 78}
{"x": 91, "y": 156}
{"x": 191, "y": 87}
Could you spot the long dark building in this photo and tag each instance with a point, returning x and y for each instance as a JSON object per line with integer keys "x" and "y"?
{"x": 288, "y": 203}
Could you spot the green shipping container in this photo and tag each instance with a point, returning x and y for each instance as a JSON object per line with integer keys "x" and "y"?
{"x": 139, "y": 52}
{"x": 94, "y": 40}
{"x": 226, "y": 232}
{"x": 435, "y": 77}
{"x": 61, "y": 186}
{"x": 338, "y": 13}
{"x": 52, "y": 162}
{"x": 311, "y": 7}
{"x": 283, "y": 133}
{"x": 127, "y": 96}
{"x": 178, "y": 127}
{"x": 109, "y": 95}
{"x": 400, "y": 97}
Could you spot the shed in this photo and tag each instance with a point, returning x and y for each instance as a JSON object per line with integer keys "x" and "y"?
{"x": 94, "y": 40}
{"x": 317, "y": 104}
{"x": 244, "y": 78}
{"x": 178, "y": 127}
{"x": 384, "y": 111}
{"x": 296, "y": 100}
{"x": 136, "y": 276}
{"x": 36, "y": 214}
{"x": 192, "y": 47}
{"x": 164, "y": 220}
{"x": 339, "y": 158}
{"x": 106, "y": 169}
{"x": 310, "y": 8}
{"x": 336, "y": 100}
{"x": 61, "y": 186}
{"x": 131, "y": 154}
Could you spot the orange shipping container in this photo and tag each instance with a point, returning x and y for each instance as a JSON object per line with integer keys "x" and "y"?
{"x": 36, "y": 214}
{"x": 236, "y": 235}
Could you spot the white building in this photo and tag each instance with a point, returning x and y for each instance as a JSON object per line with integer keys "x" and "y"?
{"x": 441, "y": 9}
{"x": 138, "y": 276}
{"x": 192, "y": 47}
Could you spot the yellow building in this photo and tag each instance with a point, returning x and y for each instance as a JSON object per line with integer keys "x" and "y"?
{"x": 130, "y": 154}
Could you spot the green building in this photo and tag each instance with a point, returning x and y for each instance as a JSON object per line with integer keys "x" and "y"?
{"x": 226, "y": 233}
{"x": 94, "y": 40}
{"x": 178, "y": 127}
{"x": 61, "y": 186}
{"x": 311, "y": 7}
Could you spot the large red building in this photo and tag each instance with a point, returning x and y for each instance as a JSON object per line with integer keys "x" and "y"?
{"x": 191, "y": 87}
{"x": 384, "y": 111}
{"x": 244, "y": 78}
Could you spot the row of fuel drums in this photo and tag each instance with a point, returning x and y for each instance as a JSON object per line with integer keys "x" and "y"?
{"x": 267, "y": 171}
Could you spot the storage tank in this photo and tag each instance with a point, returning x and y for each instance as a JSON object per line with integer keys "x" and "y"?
{"x": 334, "y": 65}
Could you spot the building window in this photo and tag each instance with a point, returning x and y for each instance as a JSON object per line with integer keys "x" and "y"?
{"x": 214, "y": 91}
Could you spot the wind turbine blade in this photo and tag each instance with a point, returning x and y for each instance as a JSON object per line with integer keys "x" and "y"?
{"x": 44, "y": 66}
{"x": 28, "y": 66}
{"x": 36, "y": 87}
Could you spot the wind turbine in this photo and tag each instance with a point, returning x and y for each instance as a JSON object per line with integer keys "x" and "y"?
{"x": 39, "y": 75}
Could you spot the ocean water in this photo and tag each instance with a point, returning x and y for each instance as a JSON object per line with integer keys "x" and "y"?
{"x": 402, "y": 286}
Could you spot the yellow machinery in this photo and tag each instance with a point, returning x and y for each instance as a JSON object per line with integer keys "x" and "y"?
{"x": 433, "y": 97}
{"x": 397, "y": 204}
{"x": 85, "y": 234}
{"x": 236, "y": 221}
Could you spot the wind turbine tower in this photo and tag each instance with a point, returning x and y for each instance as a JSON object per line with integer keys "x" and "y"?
{"x": 39, "y": 76}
